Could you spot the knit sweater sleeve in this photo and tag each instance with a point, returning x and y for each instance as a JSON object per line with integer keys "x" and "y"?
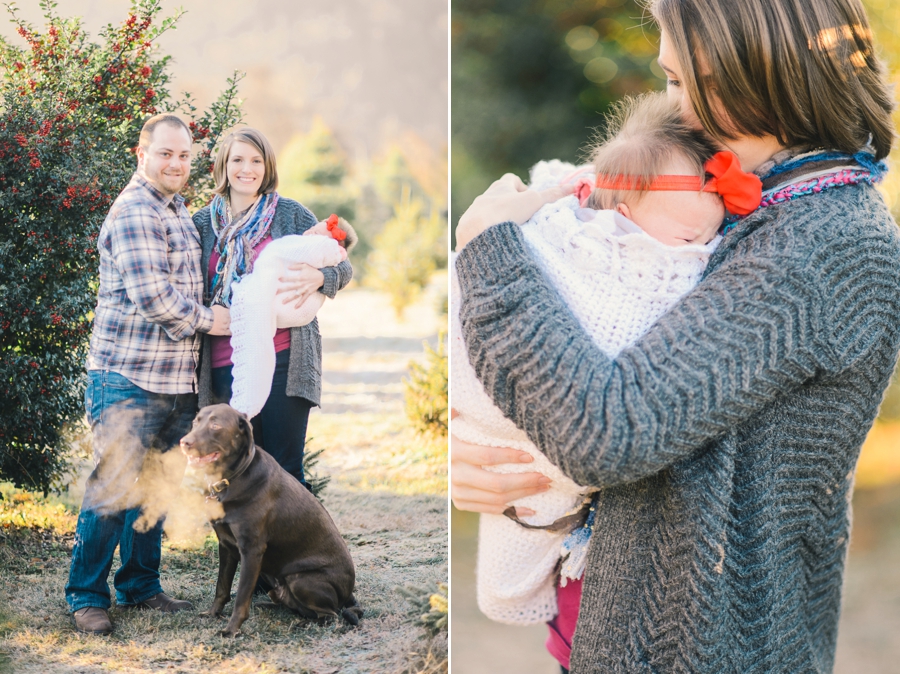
{"x": 756, "y": 328}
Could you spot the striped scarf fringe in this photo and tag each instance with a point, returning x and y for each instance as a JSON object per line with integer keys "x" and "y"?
{"x": 235, "y": 241}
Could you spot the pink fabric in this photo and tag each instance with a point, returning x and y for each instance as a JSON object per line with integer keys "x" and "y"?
{"x": 562, "y": 627}
{"x": 221, "y": 345}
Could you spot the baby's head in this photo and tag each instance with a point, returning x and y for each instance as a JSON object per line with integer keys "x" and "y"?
{"x": 645, "y": 139}
{"x": 337, "y": 229}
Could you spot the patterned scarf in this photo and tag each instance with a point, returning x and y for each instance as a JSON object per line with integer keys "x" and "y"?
{"x": 236, "y": 239}
{"x": 811, "y": 172}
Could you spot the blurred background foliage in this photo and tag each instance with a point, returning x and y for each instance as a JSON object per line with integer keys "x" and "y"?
{"x": 532, "y": 79}
{"x": 397, "y": 202}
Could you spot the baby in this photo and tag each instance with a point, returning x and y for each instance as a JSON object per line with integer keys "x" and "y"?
{"x": 634, "y": 239}
{"x": 256, "y": 312}
{"x": 338, "y": 229}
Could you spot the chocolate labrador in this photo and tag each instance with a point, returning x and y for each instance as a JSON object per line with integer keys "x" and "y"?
{"x": 273, "y": 525}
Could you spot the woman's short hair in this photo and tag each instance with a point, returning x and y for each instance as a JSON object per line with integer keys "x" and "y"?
{"x": 804, "y": 71}
{"x": 262, "y": 145}
{"x": 642, "y": 136}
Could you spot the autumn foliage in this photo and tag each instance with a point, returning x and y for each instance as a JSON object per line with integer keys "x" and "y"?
{"x": 70, "y": 114}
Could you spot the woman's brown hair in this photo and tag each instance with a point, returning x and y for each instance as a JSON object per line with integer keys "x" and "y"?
{"x": 262, "y": 145}
{"x": 643, "y": 135}
{"x": 804, "y": 71}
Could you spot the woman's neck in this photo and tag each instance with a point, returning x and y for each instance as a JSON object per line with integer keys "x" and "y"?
{"x": 754, "y": 151}
{"x": 240, "y": 202}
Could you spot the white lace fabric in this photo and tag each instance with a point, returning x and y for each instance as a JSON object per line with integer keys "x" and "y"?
{"x": 617, "y": 281}
{"x": 256, "y": 312}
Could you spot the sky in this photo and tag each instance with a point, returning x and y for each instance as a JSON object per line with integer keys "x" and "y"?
{"x": 374, "y": 70}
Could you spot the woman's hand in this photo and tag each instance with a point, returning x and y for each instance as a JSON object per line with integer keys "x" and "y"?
{"x": 474, "y": 488}
{"x": 300, "y": 284}
{"x": 507, "y": 199}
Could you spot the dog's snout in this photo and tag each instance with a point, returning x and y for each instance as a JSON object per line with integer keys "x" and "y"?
{"x": 187, "y": 441}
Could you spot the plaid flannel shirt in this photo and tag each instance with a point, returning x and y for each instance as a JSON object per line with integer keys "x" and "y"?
{"x": 150, "y": 303}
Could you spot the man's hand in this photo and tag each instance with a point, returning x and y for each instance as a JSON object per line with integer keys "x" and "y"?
{"x": 221, "y": 321}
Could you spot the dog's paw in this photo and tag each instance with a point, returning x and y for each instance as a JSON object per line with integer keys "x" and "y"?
{"x": 352, "y": 615}
{"x": 231, "y": 633}
{"x": 211, "y": 614}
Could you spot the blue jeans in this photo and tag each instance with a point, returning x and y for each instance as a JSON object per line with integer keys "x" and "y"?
{"x": 127, "y": 423}
{"x": 280, "y": 427}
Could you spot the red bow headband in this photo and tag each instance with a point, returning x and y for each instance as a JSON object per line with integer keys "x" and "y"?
{"x": 334, "y": 229}
{"x": 740, "y": 191}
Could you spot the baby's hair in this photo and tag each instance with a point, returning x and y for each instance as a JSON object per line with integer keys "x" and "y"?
{"x": 643, "y": 135}
{"x": 351, "y": 239}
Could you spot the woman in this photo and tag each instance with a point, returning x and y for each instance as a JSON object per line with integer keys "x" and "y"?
{"x": 246, "y": 214}
{"x": 725, "y": 440}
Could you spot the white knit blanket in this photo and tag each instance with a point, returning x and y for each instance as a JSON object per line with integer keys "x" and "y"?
{"x": 617, "y": 281}
{"x": 256, "y": 312}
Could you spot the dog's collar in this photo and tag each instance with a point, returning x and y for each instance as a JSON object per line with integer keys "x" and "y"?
{"x": 216, "y": 490}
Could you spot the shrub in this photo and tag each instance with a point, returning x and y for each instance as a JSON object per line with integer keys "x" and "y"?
{"x": 317, "y": 483}
{"x": 70, "y": 114}
{"x": 406, "y": 252}
{"x": 426, "y": 392}
{"x": 428, "y": 607}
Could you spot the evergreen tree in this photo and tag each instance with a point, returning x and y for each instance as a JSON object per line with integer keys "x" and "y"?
{"x": 312, "y": 169}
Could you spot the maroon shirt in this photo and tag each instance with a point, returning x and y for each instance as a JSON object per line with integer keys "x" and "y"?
{"x": 562, "y": 627}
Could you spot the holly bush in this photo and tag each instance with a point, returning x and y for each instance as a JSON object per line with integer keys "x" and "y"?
{"x": 71, "y": 111}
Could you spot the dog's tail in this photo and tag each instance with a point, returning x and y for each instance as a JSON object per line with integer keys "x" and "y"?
{"x": 352, "y": 611}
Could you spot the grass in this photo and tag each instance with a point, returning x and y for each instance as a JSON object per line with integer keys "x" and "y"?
{"x": 387, "y": 497}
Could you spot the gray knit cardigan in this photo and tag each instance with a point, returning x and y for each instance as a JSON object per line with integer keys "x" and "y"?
{"x": 305, "y": 367}
{"x": 725, "y": 439}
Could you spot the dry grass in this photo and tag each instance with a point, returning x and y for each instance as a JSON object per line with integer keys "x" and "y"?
{"x": 388, "y": 498}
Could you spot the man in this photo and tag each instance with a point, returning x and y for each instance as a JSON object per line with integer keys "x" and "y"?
{"x": 141, "y": 392}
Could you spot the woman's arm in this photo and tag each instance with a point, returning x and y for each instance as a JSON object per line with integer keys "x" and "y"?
{"x": 336, "y": 278}
{"x": 302, "y": 280}
{"x": 758, "y": 327}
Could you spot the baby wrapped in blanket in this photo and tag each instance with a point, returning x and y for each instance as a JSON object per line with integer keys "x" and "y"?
{"x": 632, "y": 241}
{"x": 256, "y": 313}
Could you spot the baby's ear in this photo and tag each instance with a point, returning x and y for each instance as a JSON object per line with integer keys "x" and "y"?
{"x": 622, "y": 209}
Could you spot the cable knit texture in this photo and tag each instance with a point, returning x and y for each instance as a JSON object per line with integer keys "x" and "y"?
{"x": 617, "y": 281}
{"x": 257, "y": 311}
{"x": 305, "y": 366}
{"x": 726, "y": 437}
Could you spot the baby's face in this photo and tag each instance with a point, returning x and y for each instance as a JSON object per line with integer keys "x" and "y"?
{"x": 321, "y": 229}
{"x": 678, "y": 218}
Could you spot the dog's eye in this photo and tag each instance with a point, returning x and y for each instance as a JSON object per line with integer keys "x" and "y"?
{"x": 215, "y": 427}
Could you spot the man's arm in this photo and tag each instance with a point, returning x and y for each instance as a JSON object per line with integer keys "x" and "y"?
{"x": 139, "y": 248}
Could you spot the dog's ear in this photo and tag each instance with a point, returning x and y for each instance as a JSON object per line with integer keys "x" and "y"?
{"x": 246, "y": 429}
